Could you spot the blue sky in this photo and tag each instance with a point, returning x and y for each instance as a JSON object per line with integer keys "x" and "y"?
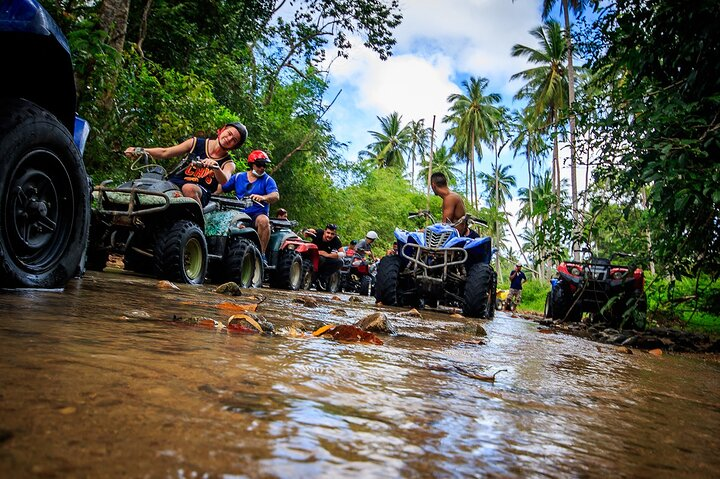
{"x": 439, "y": 44}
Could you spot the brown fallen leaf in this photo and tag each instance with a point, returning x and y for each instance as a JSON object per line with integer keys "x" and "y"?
{"x": 237, "y": 307}
{"x": 456, "y": 315}
{"x": 346, "y": 332}
{"x": 235, "y": 322}
{"x": 322, "y": 329}
{"x": 656, "y": 352}
{"x": 623, "y": 349}
{"x": 545, "y": 331}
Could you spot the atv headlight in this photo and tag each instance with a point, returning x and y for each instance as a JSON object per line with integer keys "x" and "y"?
{"x": 291, "y": 247}
{"x": 618, "y": 275}
{"x": 575, "y": 271}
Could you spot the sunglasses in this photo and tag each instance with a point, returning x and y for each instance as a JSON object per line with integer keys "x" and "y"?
{"x": 260, "y": 164}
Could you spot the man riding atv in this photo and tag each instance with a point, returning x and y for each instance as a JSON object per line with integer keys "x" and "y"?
{"x": 261, "y": 188}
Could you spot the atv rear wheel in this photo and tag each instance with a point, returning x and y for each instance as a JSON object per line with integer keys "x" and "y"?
{"x": 239, "y": 262}
{"x": 181, "y": 253}
{"x": 365, "y": 285}
{"x": 479, "y": 300}
{"x": 563, "y": 305}
{"x": 289, "y": 272}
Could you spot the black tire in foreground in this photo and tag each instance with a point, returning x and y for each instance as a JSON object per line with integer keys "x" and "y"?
{"x": 181, "y": 253}
{"x": 239, "y": 262}
{"x": 289, "y": 272}
{"x": 479, "y": 288}
{"x": 386, "y": 282}
{"x": 44, "y": 199}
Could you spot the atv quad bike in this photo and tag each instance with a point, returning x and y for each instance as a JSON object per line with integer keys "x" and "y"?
{"x": 612, "y": 292}
{"x": 233, "y": 244}
{"x": 149, "y": 222}
{"x": 438, "y": 266}
{"x": 311, "y": 267}
{"x": 285, "y": 255}
{"x": 357, "y": 275}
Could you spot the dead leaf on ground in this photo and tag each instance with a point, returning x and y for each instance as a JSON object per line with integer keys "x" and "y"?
{"x": 624, "y": 350}
{"x": 458, "y": 316}
{"x": 164, "y": 284}
{"x": 235, "y": 323}
{"x": 237, "y": 307}
{"x": 322, "y": 329}
{"x": 656, "y": 352}
{"x": 346, "y": 332}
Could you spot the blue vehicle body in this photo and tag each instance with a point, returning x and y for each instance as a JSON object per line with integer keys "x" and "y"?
{"x": 438, "y": 266}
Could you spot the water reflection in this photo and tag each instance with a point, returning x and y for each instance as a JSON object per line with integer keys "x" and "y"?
{"x": 99, "y": 381}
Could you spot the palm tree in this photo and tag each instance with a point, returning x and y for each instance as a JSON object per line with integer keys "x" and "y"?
{"x": 419, "y": 143}
{"x": 503, "y": 181}
{"x": 529, "y": 142}
{"x": 442, "y": 163}
{"x": 546, "y": 86}
{"x": 473, "y": 117}
{"x": 391, "y": 143}
{"x": 577, "y": 6}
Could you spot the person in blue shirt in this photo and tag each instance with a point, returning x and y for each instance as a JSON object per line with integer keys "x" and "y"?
{"x": 261, "y": 188}
{"x": 517, "y": 278}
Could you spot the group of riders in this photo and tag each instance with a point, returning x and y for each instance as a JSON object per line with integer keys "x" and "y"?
{"x": 213, "y": 172}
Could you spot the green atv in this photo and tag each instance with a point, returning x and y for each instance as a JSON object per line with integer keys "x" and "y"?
{"x": 233, "y": 245}
{"x": 148, "y": 221}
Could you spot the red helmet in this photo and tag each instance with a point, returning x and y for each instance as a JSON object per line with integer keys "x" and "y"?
{"x": 258, "y": 155}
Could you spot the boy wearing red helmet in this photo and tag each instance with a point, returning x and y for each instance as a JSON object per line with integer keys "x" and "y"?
{"x": 261, "y": 188}
{"x": 214, "y": 167}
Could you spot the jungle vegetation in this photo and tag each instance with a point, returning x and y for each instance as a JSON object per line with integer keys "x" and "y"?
{"x": 635, "y": 93}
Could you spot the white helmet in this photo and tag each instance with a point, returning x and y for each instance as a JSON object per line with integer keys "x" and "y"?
{"x": 371, "y": 235}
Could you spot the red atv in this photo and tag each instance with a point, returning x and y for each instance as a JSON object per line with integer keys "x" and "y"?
{"x": 292, "y": 260}
{"x": 611, "y": 292}
{"x": 357, "y": 275}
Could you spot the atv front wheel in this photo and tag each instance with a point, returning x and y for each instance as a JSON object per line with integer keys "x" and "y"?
{"x": 289, "y": 272}
{"x": 479, "y": 300}
{"x": 239, "y": 262}
{"x": 307, "y": 274}
{"x": 181, "y": 253}
{"x": 386, "y": 283}
{"x": 563, "y": 305}
{"x": 365, "y": 285}
{"x": 44, "y": 199}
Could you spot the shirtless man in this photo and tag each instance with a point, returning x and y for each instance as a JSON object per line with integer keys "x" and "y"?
{"x": 453, "y": 207}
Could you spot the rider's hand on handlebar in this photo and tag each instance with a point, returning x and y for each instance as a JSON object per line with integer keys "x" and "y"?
{"x": 133, "y": 151}
{"x": 258, "y": 198}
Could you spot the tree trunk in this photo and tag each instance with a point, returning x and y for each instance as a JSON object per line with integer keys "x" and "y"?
{"x": 113, "y": 18}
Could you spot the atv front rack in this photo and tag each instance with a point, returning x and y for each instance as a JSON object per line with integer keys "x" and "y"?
{"x": 139, "y": 201}
{"x": 415, "y": 253}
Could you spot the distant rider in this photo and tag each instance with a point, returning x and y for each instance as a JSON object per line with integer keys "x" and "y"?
{"x": 214, "y": 167}
{"x": 329, "y": 249}
{"x": 261, "y": 188}
{"x": 364, "y": 246}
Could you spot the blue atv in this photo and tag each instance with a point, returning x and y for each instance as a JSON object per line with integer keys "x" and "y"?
{"x": 438, "y": 266}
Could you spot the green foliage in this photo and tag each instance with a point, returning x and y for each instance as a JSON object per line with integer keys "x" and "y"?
{"x": 689, "y": 303}
{"x": 660, "y": 84}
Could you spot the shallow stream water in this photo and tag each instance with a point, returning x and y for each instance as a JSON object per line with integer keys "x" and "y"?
{"x": 99, "y": 381}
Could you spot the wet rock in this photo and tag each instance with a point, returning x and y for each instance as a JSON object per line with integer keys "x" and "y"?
{"x": 355, "y": 299}
{"x": 306, "y": 301}
{"x": 648, "y": 342}
{"x": 267, "y": 326}
{"x": 246, "y": 323}
{"x": 457, "y": 316}
{"x": 471, "y": 328}
{"x": 336, "y": 298}
{"x": 631, "y": 341}
{"x": 230, "y": 289}
{"x": 197, "y": 321}
{"x": 376, "y": 323}
{"x": 338, "y": 312}
{"x": 616, "y": 338}
{"x": 412, "y": 313}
